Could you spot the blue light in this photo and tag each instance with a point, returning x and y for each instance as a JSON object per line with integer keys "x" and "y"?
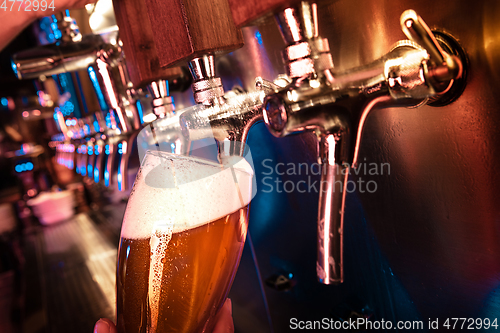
{"x": 106, "y": 178}
{"x": 139, "y": 110}
{"x": 14, "y": 67}
{"x": 19, "y": 168}
{"x": 57, "y": 33}
{"x": 89, "y": 169}
{"x": 128, "y": 251}
{"x": 67, "y": 108}
{"x": 97, "y": 128}
{"x": 258, "y": 36}
{"x": 172, "y": 147}
{"x": 63, "y": 79}
{"x": 97, "y": 89}
{"x": 68, "y": 122}
{"x": 108, "y": 120}
{"x": 5, "y": 102}
{"x": 96, "y": 175}
{"x": 119, "y": 178}
{"x": 29, "y": 166}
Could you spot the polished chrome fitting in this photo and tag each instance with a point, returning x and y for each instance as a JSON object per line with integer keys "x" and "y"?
{"x": 207, "y": 88}
{"x": 306, "y": 51}
{"x": 162, "y": 102}
{"x": 116, "y": 85}
{"x": 68, "y": 30}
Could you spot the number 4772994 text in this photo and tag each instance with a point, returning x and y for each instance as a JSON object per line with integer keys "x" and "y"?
{"x": 27, "y": 5}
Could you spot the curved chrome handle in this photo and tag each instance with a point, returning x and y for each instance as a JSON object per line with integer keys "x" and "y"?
{"x": 417, "y": 30}
{"x": 445, "y": 67}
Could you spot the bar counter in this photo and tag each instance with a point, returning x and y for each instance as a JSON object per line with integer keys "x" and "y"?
{"x": 70, "y": 272}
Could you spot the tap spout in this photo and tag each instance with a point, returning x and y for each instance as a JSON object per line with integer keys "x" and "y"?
{"x": 329, "y": 265}
{"x": 227, "y": 122}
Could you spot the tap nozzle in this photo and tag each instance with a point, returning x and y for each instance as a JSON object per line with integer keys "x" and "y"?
{"x": 306, "y": 52}
{"x": 207, "y": 87}
{"x": 162, "y": 102}
{"x": 228, "y": 122}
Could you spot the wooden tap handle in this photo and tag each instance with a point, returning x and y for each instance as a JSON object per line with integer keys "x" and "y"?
{"x": 138, "y": 44}
{"x": 185, "y": 29}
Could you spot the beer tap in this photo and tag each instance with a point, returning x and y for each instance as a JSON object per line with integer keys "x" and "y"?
{"x": 335, "y": 106}
{"x": 164, "y": 133}
{"x": 185, "y": 37}
{"x": 109, "y": 74}
{"x": 72, "y": 51}
{"x": 228, "y": 120}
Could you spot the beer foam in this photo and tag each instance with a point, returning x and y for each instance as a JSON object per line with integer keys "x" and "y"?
{"x": 186, "y": 191}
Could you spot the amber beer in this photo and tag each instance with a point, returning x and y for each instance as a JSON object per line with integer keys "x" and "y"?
{"x": 181, "y": 241}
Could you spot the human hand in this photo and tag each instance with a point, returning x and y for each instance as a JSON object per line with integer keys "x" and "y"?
{"x": 223, "y": 321}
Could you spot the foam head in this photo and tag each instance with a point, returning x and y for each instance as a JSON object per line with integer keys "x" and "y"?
{"x": 178, "y": 193}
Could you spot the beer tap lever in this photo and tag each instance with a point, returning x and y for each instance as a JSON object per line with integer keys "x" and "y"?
{"x": 441, "y": 65}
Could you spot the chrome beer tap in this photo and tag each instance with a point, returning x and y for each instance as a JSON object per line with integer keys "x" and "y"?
{"x": 118, "y": 89}
{"x": 69, "y": 53}
{"x": 73, "y": 52}
{"x": 335, "y": 106}
{"x": 225, "y": 118}
{"x": 163, "y": 132}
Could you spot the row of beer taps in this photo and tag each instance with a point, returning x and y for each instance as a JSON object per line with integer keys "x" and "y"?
{"x": 311, "y": 96}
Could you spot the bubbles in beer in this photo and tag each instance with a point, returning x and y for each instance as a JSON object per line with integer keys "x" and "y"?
{"x": 158, "y": 245}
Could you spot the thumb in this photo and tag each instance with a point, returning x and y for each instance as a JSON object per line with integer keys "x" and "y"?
{"x": 104, "y": 325}
{"x": 224, "y": 319}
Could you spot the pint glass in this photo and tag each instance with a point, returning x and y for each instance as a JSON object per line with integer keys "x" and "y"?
{"x": 181, "y": 241}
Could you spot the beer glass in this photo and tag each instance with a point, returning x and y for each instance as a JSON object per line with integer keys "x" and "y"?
{"x": 181, "y": 241}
